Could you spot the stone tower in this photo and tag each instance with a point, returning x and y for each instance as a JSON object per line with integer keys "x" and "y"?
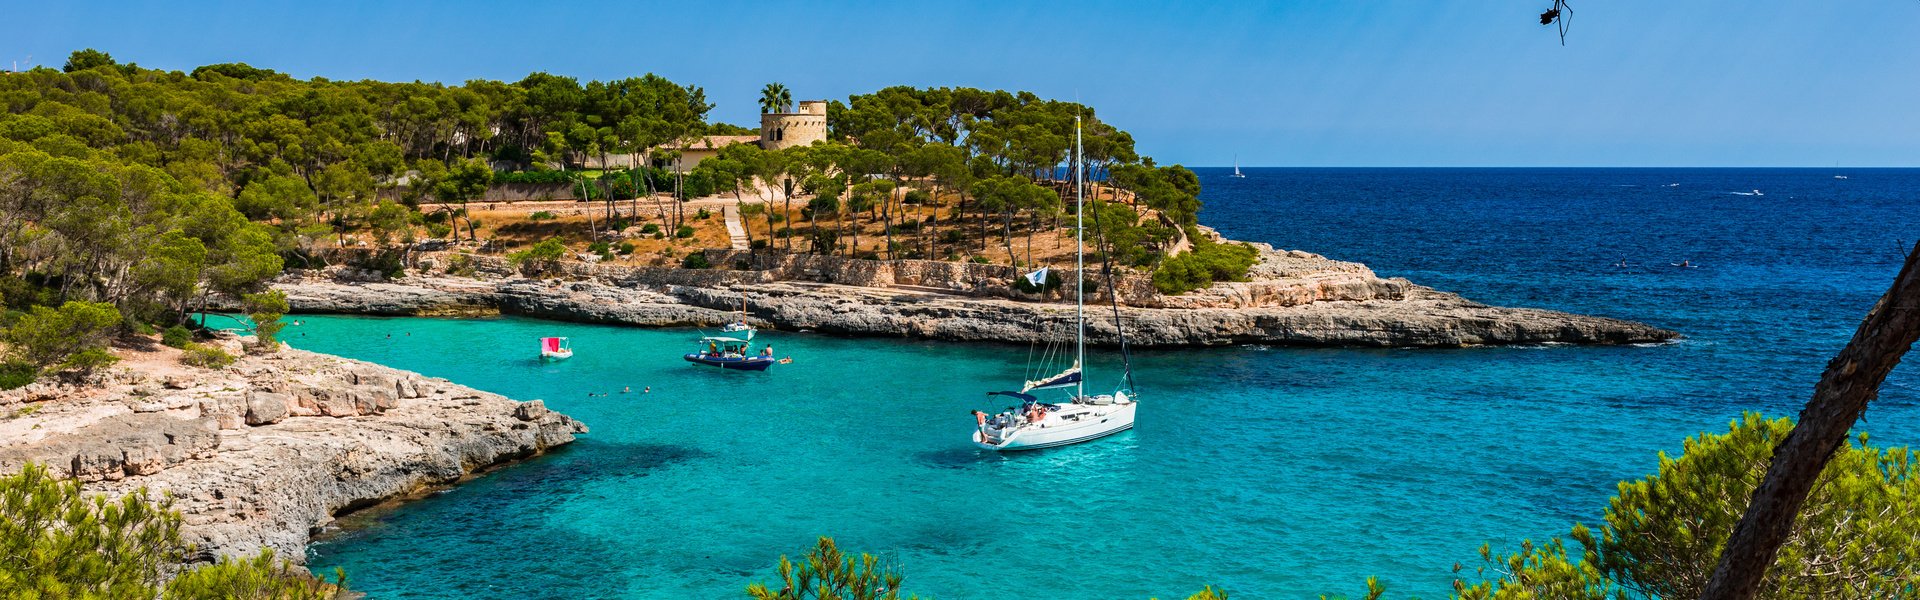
{"x": 802, "y": 128}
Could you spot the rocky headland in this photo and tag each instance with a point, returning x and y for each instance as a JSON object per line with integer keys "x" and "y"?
{"x": 1291, "y": 298}
{"x": 267, "y": 451}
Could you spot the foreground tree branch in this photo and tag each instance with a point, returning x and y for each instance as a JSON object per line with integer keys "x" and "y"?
{"x": 1851, "y": 381}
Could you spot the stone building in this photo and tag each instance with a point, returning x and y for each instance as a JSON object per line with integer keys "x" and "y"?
{"x": 777, "y": 130}
{"x": 801, "y": 128}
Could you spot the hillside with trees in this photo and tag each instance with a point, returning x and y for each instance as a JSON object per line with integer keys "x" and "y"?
{"x": 144, "y": 191}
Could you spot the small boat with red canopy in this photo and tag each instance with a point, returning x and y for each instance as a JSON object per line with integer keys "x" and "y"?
{"x": 555, "y": 348}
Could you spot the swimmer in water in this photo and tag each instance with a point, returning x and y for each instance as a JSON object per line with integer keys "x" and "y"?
{"x": 649, "y": 390}
{"x": 626, "y": 389}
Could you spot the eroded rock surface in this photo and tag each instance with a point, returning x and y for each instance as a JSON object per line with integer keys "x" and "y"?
{"x": 267, "y": 451}
{"x": 1295, "y": 298}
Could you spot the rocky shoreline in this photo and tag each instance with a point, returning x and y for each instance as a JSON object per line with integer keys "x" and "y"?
{"x": 268, "y": 451}
{"x": 1323, "y": 303}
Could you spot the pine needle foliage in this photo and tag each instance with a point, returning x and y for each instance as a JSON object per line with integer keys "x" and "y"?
{"x": 1663, "y": 533}
{"x": 829, "y": 574}
{"x": 58, "y": 544}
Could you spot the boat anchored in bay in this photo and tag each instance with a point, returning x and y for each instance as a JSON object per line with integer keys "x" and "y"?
{"x": 1035, "y": 424}
{"x": 556, "y": 348}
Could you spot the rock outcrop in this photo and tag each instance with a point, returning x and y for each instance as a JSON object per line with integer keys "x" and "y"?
{"x": 1398, "y": 314}
{"x": 269, "y": 450}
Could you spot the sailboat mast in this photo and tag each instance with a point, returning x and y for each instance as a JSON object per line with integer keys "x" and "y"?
{"x": 1079, "y": 261}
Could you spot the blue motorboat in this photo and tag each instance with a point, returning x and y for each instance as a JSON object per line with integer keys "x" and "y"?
{"x": 732, "y": 353}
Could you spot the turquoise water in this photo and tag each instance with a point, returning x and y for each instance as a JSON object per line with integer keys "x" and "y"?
{"x": 1274, "y": 472}
{"x": 1266, "y": 471}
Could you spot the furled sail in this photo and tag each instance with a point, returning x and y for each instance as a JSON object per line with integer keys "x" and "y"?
{"x": 1065, "y": 378}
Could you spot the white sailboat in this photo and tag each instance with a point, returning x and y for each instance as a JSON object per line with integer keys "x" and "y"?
{"x": 1080, "y": 417}
{"x": 1236, "y": 166}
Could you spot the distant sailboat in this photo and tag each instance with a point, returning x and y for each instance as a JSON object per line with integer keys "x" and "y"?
{"x": 1236, "y": 166}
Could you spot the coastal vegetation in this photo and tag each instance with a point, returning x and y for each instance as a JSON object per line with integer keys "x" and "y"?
{"x": 1661, "y": 536}
{"x": 148, "y": 190}
{"x": 828, "y": 573}
{"x": 56, "y": 542}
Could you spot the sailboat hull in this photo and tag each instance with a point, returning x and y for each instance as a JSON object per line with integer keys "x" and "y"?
{"x": 1059, "y": 429}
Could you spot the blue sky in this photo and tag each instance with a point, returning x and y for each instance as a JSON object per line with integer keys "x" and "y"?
{"x": 1437, "y": 83}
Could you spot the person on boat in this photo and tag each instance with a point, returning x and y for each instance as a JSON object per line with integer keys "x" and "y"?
{"x": 767, "y": 351}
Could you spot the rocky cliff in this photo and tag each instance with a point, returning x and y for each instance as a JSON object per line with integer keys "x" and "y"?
{"x": 265, "y": 452}
{"x": 1385, "y": 313}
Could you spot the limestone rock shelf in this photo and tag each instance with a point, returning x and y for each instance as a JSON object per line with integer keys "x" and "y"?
{"x": 265, "y": 452}
{"x": 1295, "y": 298}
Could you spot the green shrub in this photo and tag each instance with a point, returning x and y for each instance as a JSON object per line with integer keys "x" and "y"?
{"x": 826, "y": 568}
{"x": 980, "y": 260}
{"x": 626, "y": 248}
{"x": 541, "y": 216}
{"x": 1051, "y": 283}
{"x": 460, "y": 265}
{"x": 758, "y": 244}
{"x": 16, "y": 374}
{"x": 783, "y": 232}
{"x": 1207, "y": 263}
{"x": 650, "y": 228}
{"x": 1663, "y": 533}
{"x": 685, "y": 231}
{"x": 703, "y": 214}
{"x": 265, "y": 309}
{"x": 49, "y": 337}
{"x": 547, "y": 251}
{"x": 695, "y": 260}
{"x": 953, "y": 236}
{"x": 176, "y": 337}
{"x": 208, "y": 357}
{"x": 387, "y": 262}
{"x": 916, "y": 197}
{"x": 259, "y": 578}
{"x": 62, "y": 544}
{"x": 439, "y": 230}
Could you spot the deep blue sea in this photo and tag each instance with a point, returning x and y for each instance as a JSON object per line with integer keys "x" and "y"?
{"x": 1271, "y": 472}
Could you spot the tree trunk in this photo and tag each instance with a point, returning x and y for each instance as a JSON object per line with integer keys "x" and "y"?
{"x": 1851, "y": 381}
{"x": 1006, "y": 235}
{"x": 886, "y": 214}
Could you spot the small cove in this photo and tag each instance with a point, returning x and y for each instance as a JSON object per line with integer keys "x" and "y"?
{"x": 1274, "y": 472}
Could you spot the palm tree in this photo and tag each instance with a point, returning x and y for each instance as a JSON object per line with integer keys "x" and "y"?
{"x": 775, "y": 98}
